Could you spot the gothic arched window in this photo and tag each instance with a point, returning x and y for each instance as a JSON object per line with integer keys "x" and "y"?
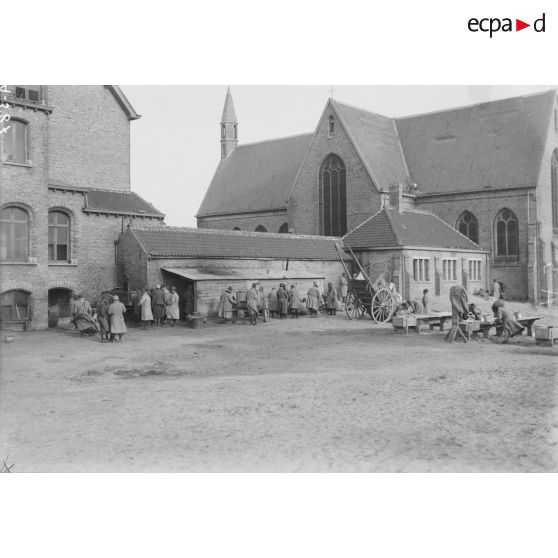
{"x": 261, "y": 228}
{"x": 506, "y": 235}
{"x": 333, "y": 197}
{"x": 554, "y": 187}
{"x": 331, "y": 126}
{"x": 14, "y": 234}
{"x": 468, "y": 225}
{"x": 284, "y": 228}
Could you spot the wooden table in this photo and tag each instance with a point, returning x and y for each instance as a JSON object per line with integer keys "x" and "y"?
{"x": 525, "y": 322}
{"x": 416, "y": 320}
{"x": 440, "y": 318}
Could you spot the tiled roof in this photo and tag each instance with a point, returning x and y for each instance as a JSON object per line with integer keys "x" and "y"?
{"x": 255, "y": 177}
{"x": 390, "y": 228}
{"x": 175, "y": 242}
{"x": 376, "y": 139}
{"x": 122, "y": 202}
{"x": 497, "y": 144}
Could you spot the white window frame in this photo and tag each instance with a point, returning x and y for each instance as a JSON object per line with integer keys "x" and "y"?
{"x": 475, "y": 270}
{"x": 449, "y": 269}
{"x": 421, "y": 270}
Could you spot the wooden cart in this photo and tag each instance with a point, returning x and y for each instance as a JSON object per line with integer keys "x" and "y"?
{"x": 367, "y": 296}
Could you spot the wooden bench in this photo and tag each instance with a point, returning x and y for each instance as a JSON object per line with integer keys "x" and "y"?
{"x": 527, "y": 323}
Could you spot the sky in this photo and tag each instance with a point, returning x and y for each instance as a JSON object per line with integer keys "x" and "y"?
{"x": 175, "y": 145}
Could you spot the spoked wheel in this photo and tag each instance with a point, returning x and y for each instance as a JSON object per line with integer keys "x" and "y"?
{"x": 383, "y": 306}
{"x": 353, "y": 307}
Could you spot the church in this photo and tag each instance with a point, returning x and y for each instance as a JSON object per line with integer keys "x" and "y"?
{"x": 489, "y": 171}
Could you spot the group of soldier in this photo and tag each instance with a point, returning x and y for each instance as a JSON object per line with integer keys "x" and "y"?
{"x": 280, "y": 302}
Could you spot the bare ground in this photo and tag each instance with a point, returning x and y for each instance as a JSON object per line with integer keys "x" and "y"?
{"x": 323, "y": 395}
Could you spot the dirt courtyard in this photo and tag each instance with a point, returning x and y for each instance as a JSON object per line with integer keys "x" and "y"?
{"x": 306, "y": 395}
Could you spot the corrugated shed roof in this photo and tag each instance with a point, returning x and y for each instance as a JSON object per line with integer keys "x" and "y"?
{"x": 376, "y": 139}
{"x": 497, "y": 144}
{"x": 174, "y": 242}
{"x": 390, "y": 228}
{"x": 124, "y": 202}
{"x": 255, "y": 177}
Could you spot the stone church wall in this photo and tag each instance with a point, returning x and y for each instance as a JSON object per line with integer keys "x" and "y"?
{"x": 485, "y": 206}
{"x": 363, "y": 199}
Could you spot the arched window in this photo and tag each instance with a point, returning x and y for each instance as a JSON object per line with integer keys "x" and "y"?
{"x": 261, "y": 228}
{"x": 236, "y": 229}
{"x": 236, "y": 131}
{"x": 15, "y": 142}
{"x": 14, "y": 234}
{"x": 331, "y": 126}
{"x": 554, "y": 187}
{"x": 506, "y": 235}
{"x": 15, "y": 305}
{"x": 284, "y": 228}
{"x": 468, "y": 225}
{"x": 333, "y": 197}
{"x": 223, "y": 131}
{"x": 58, "y": 236}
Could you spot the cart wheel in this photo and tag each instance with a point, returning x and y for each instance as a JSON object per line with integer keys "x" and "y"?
{"x": 383, "y": 306}
{"x": 353, "y": 308}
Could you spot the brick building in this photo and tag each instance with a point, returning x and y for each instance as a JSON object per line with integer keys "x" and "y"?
{"x": 208, "y": 261}
{"x": 64, "y": 196}
{"x": 489, "y": 170}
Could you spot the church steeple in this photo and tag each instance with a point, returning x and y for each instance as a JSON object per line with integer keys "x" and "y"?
{"x": 229, "y": 127}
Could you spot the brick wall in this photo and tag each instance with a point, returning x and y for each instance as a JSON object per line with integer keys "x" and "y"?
{"x": 363, "y": 199}
{"x": 398, "y": 265}
{"x": 25, "y": 186}
{"x": 547, "y": 248}
{"x": 89, "y": 138}
{"x": 485, "y": 206}
{"x": 248, "y": 222}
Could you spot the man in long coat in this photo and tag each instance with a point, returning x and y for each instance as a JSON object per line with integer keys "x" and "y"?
{"x": 313, "y": 302}
{"x": 116, "y": 313}
{"x": 226, "y": 305}
{"x": 145, "y": 306}
{"x": 294, "y": 301}
{"x": 252, "y": 299}
{"x": 282, "y": 301}
{"x": 103, "y": 318}
{"x": 172, "y": 309}
{"x": 158, "y": 305}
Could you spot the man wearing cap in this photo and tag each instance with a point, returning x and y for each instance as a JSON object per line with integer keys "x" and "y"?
{"x": 252, "y": 298}
{"x": 313, "y": 302}
{"x": 117, "y": 326}
{"x": 172, "y": 307}
{"x": 226, "y": 305}
{"x": 282, "y": 300}
{"x": 294, "y": 301}
{"x": 158, "y": 305}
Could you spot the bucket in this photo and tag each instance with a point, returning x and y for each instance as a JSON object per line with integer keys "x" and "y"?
{"x": 196, "y": 320}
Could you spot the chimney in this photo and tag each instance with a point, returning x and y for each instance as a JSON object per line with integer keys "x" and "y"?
{"x": 400, "y": 196}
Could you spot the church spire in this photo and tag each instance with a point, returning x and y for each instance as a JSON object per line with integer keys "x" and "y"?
{"x": 229, "y": 127}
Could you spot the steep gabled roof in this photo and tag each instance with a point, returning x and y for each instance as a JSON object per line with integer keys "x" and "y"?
{"x": 390, "y": 228}
{"x": 120, "y": 202}
{"x": 178, "y": 242}
{"x": 123, "y": 101}
{"x": 255, "y": 177}
{"x": 497, "y": 144}
{"x": 375, "y": 139}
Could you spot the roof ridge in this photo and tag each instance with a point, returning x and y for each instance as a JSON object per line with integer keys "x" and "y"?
{"x": 363, "y": 223}
{"x": 390, "y": 221}
{"x": 226, "y": 232}
{"x": 363, "y": 109}
{"x": 472, "y": 105}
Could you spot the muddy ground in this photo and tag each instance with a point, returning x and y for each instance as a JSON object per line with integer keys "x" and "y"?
{"x": 307, "y": 395}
